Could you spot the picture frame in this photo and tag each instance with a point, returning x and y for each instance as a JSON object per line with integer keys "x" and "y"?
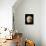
{"x": 29, "y": 19}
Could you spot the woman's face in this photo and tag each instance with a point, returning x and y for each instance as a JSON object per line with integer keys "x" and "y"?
{"x": 29, "y": 19}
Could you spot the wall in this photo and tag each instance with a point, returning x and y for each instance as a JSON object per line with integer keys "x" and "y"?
{"x": 43, "y": 22}
{"x": 29, "y": 31}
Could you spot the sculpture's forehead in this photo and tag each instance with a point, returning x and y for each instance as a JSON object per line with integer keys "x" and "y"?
{"x": 29, "y": 17}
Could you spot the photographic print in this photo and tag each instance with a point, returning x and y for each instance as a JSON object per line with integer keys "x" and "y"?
{"x": 29, "y": 18}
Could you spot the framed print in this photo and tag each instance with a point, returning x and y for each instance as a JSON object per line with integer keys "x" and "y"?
{"x": 29, "y": 18}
